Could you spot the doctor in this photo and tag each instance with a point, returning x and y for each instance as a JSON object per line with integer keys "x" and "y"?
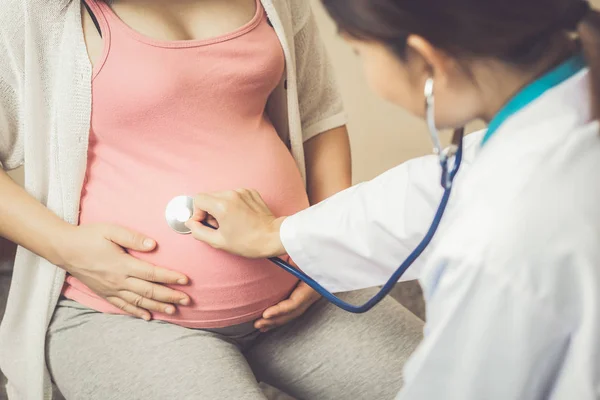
{"x": 513, "y": 279}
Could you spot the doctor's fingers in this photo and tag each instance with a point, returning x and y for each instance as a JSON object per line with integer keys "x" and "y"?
{"x": 220, "y": 204}
{"x": 205, "y": 234}
{"x": 199, "y": 215}
{"x": 259, "y": 202}
{"x": 234, "y": 199}
{"x": 215, "y": 204}
{"x": 254, "y": 200}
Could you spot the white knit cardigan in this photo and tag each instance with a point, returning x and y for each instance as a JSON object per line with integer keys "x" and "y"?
{"x": 45, "y": 105}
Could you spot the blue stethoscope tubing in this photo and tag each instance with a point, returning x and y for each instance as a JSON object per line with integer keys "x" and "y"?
{"x": 447, "y": 181}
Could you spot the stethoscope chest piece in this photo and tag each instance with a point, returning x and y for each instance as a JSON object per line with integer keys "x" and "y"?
{"x": 178, "y": 212}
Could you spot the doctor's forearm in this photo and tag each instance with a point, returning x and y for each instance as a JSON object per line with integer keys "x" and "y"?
{"x": 328, "y": 164}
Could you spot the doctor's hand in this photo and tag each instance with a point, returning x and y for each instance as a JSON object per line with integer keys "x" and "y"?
{"x": 244, "y": 224}
{"x": 96, "y": 254}
{"x": 288, "y": 310}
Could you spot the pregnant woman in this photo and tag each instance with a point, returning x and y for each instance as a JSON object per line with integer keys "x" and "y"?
{"x": 180, "y": 97}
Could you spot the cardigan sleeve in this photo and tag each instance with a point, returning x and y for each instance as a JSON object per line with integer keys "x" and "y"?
{"x": 11, "y": 44}
{"x": 11, "y": 149}
{"x": 321, "y": 106}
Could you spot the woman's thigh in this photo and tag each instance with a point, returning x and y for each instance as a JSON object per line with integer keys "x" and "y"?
{"x": 105, "y": 357}
{"x": 332, "y": 354}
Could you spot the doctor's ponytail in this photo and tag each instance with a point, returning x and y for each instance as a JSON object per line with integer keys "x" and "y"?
{"x": 589, "y": 36}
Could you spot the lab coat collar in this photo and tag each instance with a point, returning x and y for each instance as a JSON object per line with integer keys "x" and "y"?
{"x": 535, "y": 90}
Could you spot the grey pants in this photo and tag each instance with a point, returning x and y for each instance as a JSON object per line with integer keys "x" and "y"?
{"x": 326, "y": 354}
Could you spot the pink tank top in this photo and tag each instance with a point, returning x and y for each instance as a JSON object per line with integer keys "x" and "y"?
{"x": 179, "y": 118}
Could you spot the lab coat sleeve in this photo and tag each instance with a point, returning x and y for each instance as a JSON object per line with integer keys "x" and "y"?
{"x": 485, "y": 338}
{"x": 357, "y": 238}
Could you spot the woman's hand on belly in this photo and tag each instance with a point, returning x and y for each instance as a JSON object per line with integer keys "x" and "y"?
{"x": 288, "y": 310}
{"x": 96, "y": 255}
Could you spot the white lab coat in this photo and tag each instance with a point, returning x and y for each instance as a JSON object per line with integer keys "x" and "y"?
{"x": 512, "y": 281}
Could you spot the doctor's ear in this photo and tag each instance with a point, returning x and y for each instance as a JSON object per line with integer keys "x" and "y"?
{"x": 425, "y": 60}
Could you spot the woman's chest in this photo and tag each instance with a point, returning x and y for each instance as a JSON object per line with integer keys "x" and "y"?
{"x": 227, "y": 80}
{"x": 216, "y": 81}
{"x": 172, "y": 20}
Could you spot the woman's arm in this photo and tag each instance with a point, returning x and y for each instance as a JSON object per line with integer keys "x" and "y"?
{"x": 25, "y": 221}
{"x": 328, "y": 164}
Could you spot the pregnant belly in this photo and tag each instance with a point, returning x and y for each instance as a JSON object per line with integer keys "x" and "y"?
{"x": 225, "y": 289}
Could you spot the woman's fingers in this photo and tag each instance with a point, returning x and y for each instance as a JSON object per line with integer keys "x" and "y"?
{"x": 156, "y": 292}
{"x": 129, "y": 239}
{"x": 152, "y": 273}
{"x": 299, "y": 301}
{"x": 285, "y": 307}
{"x": 140, "y": 294}
{"x": 145, "y": 303}
{"x": 129, "y": 308}
{"x": 265, "y": 325}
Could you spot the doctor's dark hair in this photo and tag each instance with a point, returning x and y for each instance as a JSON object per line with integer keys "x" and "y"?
{"x": 520, "y": 32}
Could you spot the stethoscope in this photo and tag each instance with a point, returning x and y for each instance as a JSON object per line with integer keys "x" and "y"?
{"x": 181, "y": 208}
